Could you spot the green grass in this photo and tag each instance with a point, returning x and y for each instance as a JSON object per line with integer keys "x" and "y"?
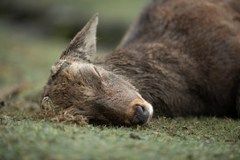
{"x": 26, "y": 59}
{"x": 110, "y": 11}
{"x": 28, "y": 136}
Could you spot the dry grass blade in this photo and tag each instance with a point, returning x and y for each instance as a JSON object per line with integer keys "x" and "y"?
{"x": 55, "y": 114}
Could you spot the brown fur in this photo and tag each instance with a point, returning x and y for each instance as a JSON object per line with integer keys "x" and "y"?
{"x": 182, "y": 56}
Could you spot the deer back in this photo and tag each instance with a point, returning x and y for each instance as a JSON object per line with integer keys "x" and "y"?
{"x": 183, "y": 56}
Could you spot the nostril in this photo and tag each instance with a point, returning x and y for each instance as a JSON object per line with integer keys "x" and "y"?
{"x": 142, "y": 115}
{"x": 145, "y": 111}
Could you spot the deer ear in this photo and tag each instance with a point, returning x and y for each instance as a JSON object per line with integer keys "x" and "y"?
{"x": 83, "y": 45}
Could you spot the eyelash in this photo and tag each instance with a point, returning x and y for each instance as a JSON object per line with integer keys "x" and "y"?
{"x": 98, "y": 73}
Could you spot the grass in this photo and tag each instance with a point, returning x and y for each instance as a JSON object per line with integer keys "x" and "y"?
{"x": 25, "y": 135}
{"x": 25, "y": 63}
{"x": 124, "y": 11}
{"x": 60, "y": 18}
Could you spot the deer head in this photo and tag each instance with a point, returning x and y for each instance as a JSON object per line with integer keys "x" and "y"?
{"x": 76, "y": 84}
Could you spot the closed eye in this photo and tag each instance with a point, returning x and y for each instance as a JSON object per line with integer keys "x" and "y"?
{"x": 98, "y": 73}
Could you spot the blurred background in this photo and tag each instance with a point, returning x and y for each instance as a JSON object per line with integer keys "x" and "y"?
{"x": 34, "y": 33}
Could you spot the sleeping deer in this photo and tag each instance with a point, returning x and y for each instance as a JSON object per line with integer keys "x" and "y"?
{"x": 179, "y": 58}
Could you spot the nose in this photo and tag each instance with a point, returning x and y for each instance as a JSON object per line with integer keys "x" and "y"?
{"x": 142, "y": 115}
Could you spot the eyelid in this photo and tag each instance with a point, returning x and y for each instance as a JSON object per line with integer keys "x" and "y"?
{"x": 98, "y": 73}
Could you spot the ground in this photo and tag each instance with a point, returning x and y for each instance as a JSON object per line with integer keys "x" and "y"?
{"x": 25, "y": 135}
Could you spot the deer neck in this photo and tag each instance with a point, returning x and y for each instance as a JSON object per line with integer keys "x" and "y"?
{"x": 148, "y": 68}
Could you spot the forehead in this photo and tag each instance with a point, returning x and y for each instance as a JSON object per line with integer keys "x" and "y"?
{"x": 75, "y": 67}
{"x": 88, "y": 71}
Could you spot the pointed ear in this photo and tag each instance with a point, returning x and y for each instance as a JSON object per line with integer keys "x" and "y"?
{"x": 83, "y": 45}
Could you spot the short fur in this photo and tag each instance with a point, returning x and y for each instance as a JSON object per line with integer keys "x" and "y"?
{"x": 181, "y": 56}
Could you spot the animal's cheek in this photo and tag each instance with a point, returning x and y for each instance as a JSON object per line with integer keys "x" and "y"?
{"x": 103, "y": 118}
{"x": 128, "y": 122}
{"x": 100, "y": 119}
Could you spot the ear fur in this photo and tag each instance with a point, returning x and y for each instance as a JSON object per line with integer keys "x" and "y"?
{"x": 83, "y": 45}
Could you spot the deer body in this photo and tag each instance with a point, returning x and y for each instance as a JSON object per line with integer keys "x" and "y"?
{"x": 181, "y": 57}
